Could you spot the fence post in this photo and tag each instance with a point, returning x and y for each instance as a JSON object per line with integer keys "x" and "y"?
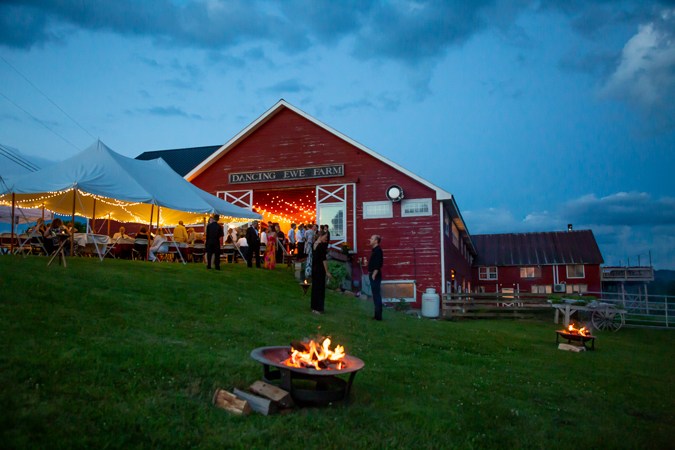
{"x": 666, "y": 300}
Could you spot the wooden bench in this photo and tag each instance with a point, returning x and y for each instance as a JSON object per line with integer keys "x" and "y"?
{"x": 493, "y": 305}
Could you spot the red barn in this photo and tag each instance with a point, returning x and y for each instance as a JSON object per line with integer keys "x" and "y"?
{"x": 561, "y": 261}
{"x": 290, "y": 167}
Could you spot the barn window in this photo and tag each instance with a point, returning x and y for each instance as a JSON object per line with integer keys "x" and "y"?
{"x": 333, "y": 215}
{"x": 576, "y": 288}
{"x": 398, "y": 291}
{"x": 487, "y": 273}
{"x": 377, "y": 210}
{"x": 455, "y": 235}
{"x": 575, "y": 271}
{"x": 416, "y": 207}
{"x": 530, "y": 272}
{"x": 541, "y": 289}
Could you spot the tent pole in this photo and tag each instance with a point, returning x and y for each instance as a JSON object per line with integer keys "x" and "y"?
{"x": 93, "y": 218}
{"x": 11, "y": 243}
{"x": 43, "y": 212}
{"x": 147, "y": 250}
{"x": 72, "y": 219}
{"x": 108, "y": 224}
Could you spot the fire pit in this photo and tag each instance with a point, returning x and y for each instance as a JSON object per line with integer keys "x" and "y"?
{"x": 317, "y": 386}
{"x": 581, "y": 335}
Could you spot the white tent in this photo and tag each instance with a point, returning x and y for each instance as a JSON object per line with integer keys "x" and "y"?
{"x": 99, "y": 183}
{"x": 22, "y": 215}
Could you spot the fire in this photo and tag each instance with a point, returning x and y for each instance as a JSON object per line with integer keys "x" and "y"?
{"x": 310, "y": 355}
{"x": 583, "y": 331}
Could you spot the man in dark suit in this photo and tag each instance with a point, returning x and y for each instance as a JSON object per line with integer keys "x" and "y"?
{"x": 253, "y": 240}
{"x": 214, "y": 232}
{"x": 375, "y": 273}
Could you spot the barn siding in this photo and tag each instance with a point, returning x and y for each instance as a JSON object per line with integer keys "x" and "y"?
{"x": 287, "y": 140}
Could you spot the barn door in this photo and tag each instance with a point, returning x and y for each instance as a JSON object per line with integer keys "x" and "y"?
{"x": 243, "y": 199}
{"x": 331, "y": 210}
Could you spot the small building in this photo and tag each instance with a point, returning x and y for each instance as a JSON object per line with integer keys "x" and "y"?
{"x": 548, "y": 262}
{"x": 290, "y": 167}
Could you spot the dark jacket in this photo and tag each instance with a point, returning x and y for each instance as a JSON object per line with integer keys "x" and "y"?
{"x": 376, "y": 261}
{"x": 253, "y": 239}
{"x": 213, "y": 234}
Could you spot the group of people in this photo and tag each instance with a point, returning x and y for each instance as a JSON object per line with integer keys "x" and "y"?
{"x": 310, "y": 241}
{"x": 53, "y": 234}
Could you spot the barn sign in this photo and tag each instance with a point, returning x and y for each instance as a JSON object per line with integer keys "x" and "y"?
{"x": 300, "y": 173}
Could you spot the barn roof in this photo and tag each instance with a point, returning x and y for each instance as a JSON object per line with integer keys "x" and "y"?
{"x": 181, "y": 160}
{"x": 546, "y": 248}
{"x": 280, "y": 106}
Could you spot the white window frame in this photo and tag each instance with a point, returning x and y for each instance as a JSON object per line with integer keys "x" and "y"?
{"x": 422, "y": 201}
{"x": 583, "y": 271}
{"x": 386, "y": 215}
{"x": 486, "y": 272}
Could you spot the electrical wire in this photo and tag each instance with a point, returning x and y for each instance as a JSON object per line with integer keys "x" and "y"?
{"x": 39, "y": 121}
{"x": 47, "y": 97}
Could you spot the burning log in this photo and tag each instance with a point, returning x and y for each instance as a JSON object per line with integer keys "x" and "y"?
{"x": 230, "y": 402}
{"x": 311, "y": 355}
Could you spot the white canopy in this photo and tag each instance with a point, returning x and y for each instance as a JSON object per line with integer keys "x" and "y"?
{"x": 99, "y": 183}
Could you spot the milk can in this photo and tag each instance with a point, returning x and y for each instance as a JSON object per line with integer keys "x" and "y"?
{"x": 430, "y": 303}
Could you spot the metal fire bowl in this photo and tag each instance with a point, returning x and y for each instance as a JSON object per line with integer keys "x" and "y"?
{"x": 575, "y": 337}
{"x": 274, "y": 356}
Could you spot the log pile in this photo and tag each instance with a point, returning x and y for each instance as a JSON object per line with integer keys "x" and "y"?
{"x": 262, "y": 398}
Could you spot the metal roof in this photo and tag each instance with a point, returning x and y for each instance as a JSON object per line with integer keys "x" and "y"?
{"x": 533, "y": 249}
{"x": 182, "y": 160}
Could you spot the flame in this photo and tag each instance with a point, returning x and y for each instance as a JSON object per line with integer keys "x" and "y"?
{"x": 583, "y": 331}
{"x": 316, "y": 356}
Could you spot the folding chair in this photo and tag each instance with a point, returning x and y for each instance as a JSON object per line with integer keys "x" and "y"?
{"x": 198, "y": 251}
{"x": 140, "y": 250}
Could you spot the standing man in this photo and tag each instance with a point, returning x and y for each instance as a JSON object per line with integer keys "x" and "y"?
{"x": 291, "y": 239}
{"x": 214, "y": 232}
{"x": 375, "y": 273}
{"x": 253, "y": 240}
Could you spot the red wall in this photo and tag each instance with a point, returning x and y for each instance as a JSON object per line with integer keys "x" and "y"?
{"x": 411, "y": 245}
{"x": 509, "y": 277}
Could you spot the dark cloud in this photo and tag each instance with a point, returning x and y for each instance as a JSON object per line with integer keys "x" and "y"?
{"x": 23, "y": 26}
{"x": 408, "y": 30}
{"x": 414, "y": 31}
{"x": 623, "y": 208}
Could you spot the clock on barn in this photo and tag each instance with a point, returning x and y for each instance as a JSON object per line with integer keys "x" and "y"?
{"x": 395, "y": 193}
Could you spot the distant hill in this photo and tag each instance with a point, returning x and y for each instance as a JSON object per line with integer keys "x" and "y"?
{"x": 663, "y": 284}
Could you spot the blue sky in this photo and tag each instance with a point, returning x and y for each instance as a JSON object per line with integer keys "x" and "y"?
{"x": 534, "y": 114}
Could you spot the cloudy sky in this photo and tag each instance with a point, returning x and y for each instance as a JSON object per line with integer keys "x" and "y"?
{"x": 534, "y": 114}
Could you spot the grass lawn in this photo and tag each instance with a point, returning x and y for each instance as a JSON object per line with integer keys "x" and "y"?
{"x": 126, "y": 354}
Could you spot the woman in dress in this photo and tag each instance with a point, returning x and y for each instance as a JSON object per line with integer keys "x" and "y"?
{"x": 270, "y": 251}
{"x": 319, "y": 273}
{"x": 281, "y": 243}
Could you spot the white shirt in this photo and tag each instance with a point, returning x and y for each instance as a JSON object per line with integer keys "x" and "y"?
{"x": 291, "y": 236}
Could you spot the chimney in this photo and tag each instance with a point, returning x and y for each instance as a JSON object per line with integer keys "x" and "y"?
{"x": 569, "y": 227}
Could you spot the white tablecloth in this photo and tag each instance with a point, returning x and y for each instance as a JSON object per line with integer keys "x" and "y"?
{"x": 82, "y": 239}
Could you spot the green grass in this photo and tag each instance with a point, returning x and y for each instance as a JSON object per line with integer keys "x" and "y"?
{"x": 124, "y": 354}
